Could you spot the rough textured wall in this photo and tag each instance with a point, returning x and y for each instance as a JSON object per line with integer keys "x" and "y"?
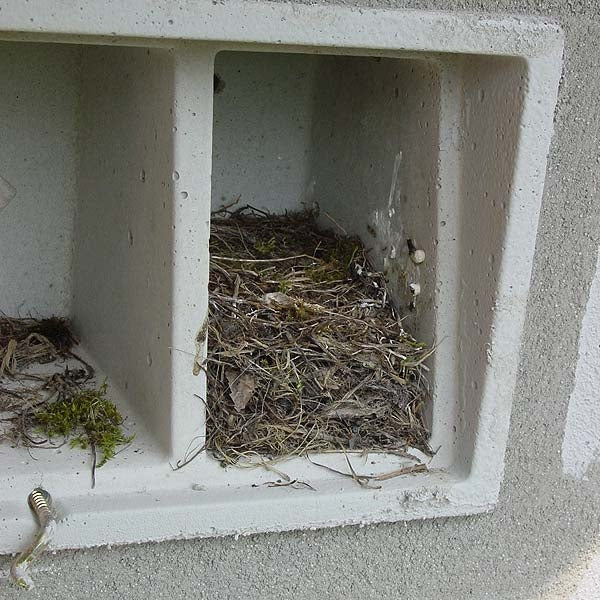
{"x": 543, "y": 535}
{"x": 269, "y": 93}
{"x": 39, "y": 114}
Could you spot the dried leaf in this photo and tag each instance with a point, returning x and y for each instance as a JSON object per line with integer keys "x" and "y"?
{"x": 241, "y": 386}
{"x": 279, "y": 299}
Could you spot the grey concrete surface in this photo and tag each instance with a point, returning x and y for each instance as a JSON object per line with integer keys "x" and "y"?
{"x": 546, "y": 526}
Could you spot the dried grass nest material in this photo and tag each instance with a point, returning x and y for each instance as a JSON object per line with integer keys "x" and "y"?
{"x": 27, "y": 341}
{"x": 305, "y": 350}
{"x": 46, "y": 406}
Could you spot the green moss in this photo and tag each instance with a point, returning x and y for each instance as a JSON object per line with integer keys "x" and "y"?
{"x": 299, "y": 311}
{"x": 284, "y": 286}
{"x": 265, "y": 247}
{"x": 325, "y": 273}
{"x": 337, "y": 261}
{"x": 89, "y": 419}
{"x": 343, "y": 253}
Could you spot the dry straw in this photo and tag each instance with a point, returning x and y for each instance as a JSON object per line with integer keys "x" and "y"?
{"x": 305, "y": 350}
{"x": 43, "y": 406}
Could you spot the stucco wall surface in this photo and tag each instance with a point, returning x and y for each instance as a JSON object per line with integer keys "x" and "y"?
{"x": 543, "y": 539}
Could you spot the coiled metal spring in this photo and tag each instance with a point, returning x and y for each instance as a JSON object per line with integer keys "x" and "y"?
{"x": 40, "y": 502}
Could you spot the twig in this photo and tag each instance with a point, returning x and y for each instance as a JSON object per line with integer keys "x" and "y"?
{"x": 260, "y": 260}
{"x": 335, "y": 223}
{"x": 94, "y": 462}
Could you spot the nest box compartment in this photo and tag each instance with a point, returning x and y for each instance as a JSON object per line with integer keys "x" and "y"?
{"x": 118, "y": 154}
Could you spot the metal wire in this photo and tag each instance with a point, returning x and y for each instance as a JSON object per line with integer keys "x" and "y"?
{"x": 40, "y": 502}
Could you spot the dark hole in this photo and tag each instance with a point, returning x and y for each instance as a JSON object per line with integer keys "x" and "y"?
{"x": 218, "y": 84}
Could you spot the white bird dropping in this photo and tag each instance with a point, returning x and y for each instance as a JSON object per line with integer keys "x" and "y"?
{"x": 418, "y": 256}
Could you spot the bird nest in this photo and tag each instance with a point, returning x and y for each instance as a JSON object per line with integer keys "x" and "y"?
{"x": 48, "y": 394}
{"x": 306, "y": 352}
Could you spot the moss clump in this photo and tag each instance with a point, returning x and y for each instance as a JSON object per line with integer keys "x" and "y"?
{"x": 298, "y": 311}
{"x": 336, "y": 262}
{"x": 265, "y": 247}
{"x": 343, "y": 253}
{"x": 284, "y": 286}
{"x": 89, "y": 419}
{"x": 326, "y": 273}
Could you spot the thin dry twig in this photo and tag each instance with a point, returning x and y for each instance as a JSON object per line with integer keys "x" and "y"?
{"x": 365, "y": 480}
